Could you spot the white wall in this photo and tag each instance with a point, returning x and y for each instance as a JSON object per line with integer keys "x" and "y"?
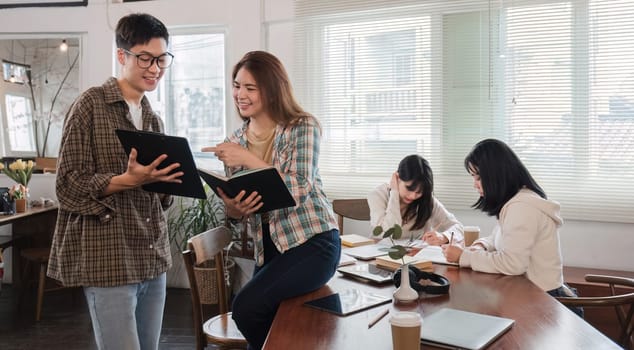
{"x": 247, "y": 23}
{"x": 96, "y": 22}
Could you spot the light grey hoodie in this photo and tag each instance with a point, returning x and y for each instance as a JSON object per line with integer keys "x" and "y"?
{"x": 525, "y": 240}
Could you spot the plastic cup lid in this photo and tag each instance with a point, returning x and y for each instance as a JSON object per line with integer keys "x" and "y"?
{"x": 406, "y": 319}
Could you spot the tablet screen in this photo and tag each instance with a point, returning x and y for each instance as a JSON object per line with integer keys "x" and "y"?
{"x": 348, "y": 301}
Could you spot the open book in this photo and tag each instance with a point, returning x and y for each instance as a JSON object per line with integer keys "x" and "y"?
{"x": 346, "y": 260}
{"x": 433, "y": 254}
{"x": 266, "y": 181}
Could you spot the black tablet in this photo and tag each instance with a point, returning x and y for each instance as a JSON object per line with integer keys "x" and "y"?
{"x": 348, "y": 301}
{"x": 150, "y": 145}
{"x": 368, "y": 272}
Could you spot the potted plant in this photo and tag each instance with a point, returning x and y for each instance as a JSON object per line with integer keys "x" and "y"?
{"x": 404, "y": 293}
{"x": 20, "y": 172}
{"x": 187, "y": 218}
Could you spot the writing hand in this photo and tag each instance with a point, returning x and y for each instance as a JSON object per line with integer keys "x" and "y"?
{"x": 452, "y": 252}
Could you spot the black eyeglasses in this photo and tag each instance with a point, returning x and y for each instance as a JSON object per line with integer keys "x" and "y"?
{"x": 144, "y": 60}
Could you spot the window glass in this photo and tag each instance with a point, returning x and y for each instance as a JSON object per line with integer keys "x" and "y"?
{"x": 553, "y": 79}
{"x": 19, "y": 123}
{"x": 191, "y": 97}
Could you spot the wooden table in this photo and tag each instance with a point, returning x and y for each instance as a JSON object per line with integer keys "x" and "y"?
{"x": 33, "y": 228}
{"x": 540, "y": 321}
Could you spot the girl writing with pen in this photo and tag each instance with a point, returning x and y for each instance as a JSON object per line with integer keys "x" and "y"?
{"x": 526, "y": 237}
{"x": 408, "y": 201}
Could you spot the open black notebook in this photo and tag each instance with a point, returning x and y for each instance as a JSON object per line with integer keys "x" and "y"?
{"x": 150, "y": 145}
{"x": 266, "y": 181}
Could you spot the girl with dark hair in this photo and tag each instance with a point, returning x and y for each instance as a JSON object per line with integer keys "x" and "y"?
{"x": 296, "y": 249}
{"x": 408, "y": 201}
{"x": 526, "y": 237}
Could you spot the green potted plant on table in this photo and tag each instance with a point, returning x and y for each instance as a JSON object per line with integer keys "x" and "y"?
{"x": 404, "y": 293}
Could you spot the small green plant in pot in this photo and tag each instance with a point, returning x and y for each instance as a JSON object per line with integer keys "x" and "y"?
{"x": 189, "y": 217}
{"x": 404, "y": 293}
{"x": 396, "y": 251}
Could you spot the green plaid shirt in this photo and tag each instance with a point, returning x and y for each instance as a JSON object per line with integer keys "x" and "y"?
{"x": 113, "y": 240}
{"x": 296, "y": 155}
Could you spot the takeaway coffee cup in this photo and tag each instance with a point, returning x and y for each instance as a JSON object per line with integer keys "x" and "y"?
{"x": 471, "y": 233}
{"x": 406, "y": 330}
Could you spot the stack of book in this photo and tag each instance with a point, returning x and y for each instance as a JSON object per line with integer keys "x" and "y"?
{"x": 354, "y": 240}
{"x": 385, "y": 262}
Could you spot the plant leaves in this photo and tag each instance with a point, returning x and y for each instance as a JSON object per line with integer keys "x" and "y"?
{"x": 388, "y": 233}
{"x": 397, "y": 252}
{"x": 193, "y": 216}
{"x": 377, "y": 230}
{"x": 397, "y": 231}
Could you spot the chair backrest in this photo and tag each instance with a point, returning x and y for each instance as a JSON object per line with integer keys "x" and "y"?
{"x": 46, "y": 164}
{"x": 202, "y": 249}
{"x": 356, "y": 209}
{"x": 623, "y": 303}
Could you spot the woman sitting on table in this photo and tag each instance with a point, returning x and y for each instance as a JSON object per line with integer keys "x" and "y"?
{"x": 408, "y": 201}
{"x": 296, "y": 249}
{"x": 526, "y": 237}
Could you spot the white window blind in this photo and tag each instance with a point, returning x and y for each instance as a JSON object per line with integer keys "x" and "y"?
{"x": 553, "y": 79}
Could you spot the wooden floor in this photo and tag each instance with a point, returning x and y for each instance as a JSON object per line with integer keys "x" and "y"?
{"x": 65, "y": 323}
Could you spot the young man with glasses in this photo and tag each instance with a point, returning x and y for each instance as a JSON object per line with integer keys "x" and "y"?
{"x": 111, "y": 235}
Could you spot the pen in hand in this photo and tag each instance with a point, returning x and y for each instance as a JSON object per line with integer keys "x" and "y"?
{"x": 451, "y": 239}
{"x": 378, "y": 318}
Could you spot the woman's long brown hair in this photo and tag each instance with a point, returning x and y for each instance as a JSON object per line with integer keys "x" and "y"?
{"x": 274, "y": 86}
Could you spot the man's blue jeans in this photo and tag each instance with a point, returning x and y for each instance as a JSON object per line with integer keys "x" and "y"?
{"x": 282, "y": 276}
{"x": 129, "y": 316}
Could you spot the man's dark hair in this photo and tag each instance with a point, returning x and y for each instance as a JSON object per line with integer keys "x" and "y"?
{"x": 139, "y": 28}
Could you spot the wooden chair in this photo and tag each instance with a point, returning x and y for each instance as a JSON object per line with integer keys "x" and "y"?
{"x": 356, "y": 209}
{"x": 46, "y": 165}
{"x": 623, "y": 303}
{"x": 204, "y": 248}
{"x": 38, "y": 258}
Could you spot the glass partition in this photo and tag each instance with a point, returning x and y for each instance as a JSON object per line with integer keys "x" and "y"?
{"x": 40, "y": 82}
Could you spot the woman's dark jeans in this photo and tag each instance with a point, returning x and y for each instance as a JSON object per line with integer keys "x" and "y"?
{"x": 566, "y": 291}
{"x": 298, "y": 271}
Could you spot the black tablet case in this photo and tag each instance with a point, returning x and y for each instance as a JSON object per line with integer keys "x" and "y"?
{"x": 150, "y": 145}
